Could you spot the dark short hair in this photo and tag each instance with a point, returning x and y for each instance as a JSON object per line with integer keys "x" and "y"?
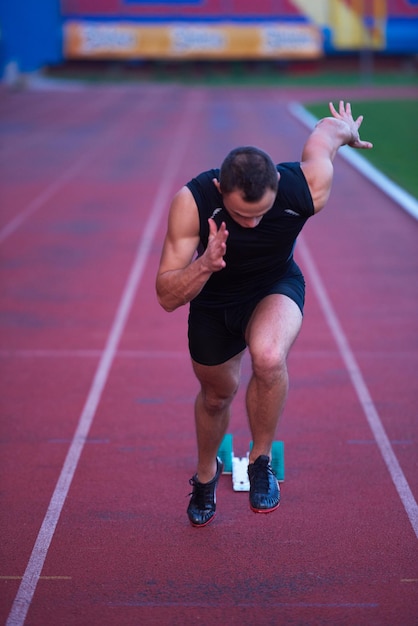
{"x": 249, "y": 170}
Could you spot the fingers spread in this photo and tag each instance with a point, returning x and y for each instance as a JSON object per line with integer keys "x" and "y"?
{"x": 332, "y": 109}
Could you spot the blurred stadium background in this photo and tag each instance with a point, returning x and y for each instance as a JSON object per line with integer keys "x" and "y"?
{"x": 39, "y": 36}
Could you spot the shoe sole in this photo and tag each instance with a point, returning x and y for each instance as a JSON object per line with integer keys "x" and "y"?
{"x": 205, "y": 524}
{"x": 264, "y": 510}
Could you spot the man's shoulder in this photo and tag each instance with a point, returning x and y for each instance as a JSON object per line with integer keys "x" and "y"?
{"x": 204, "y": 191}
{"x": 290, "y": 168}
{"x": 204, "y": 179}
{"x": 293, "y": 188}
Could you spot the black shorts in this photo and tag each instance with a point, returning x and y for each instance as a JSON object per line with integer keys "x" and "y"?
{"x": 217, "y": 334}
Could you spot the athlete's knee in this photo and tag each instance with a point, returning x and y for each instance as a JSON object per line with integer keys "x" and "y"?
{"x": 217, "y": 400}
{"x": 269, "y": 363}
{"x": 217, "y": 403}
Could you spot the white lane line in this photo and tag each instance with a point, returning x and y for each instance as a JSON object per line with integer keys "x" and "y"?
{"x": 51, "y": 190}
{"x": 297, "y": 353}
{"x": 360, "y": 387}
{"x": 92, "y": 354}
{"x": 42, "y": 198}
{"x": 391, "y": 189}
{"x": 33, "y": 570}
{"x": 107, "y": 138}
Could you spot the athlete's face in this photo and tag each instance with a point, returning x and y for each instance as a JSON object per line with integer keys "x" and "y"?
{"x": 247, "y": 214}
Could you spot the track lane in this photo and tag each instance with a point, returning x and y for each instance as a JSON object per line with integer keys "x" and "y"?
{"x": 120, "y": 559}
{"x": 33, "y": 570}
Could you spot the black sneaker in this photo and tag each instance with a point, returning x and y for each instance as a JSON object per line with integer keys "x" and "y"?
{"x": 202, "y": 505}
{"x": 264, "y": 488}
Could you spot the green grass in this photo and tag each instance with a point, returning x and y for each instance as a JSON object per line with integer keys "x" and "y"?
{"x": 392, "y": 127}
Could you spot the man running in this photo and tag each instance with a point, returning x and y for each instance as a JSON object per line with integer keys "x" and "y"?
{"x": 228, "y": 252}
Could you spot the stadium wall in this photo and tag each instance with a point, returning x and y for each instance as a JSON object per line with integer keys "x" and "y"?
{"x": 33, "y": 34}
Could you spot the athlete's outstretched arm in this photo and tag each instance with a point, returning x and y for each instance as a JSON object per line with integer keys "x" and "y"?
{"x": 319, "y": 152}
{"x": 181, "y": 276}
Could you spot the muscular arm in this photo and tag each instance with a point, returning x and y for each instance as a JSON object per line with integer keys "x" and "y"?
{"x": 180, "y": 276}
{"x": 321, "y": 147}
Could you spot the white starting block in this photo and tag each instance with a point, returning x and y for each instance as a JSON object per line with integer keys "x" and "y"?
{"x": 238, "y": 466}
{"x": 240, "y": 481}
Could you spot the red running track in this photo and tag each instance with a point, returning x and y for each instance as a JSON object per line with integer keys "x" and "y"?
{"x": 97, "y": 440}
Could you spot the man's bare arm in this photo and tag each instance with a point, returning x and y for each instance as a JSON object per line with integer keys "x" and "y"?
{"x": 180, "y": 276}
{"x": 322, "y": 145}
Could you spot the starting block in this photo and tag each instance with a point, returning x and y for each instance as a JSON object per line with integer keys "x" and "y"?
{"x": 237, "y": 466}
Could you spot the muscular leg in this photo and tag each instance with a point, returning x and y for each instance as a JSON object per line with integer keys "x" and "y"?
{"x": 270, "y": 334}
{"x": 219, "y": 384}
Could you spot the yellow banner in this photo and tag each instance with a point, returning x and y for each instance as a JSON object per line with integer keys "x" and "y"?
{"x": 353, "y": 28}
{"x": 123, "y": 40}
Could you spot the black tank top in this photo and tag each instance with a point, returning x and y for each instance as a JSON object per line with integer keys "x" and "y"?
{"x": 255, "y": 257}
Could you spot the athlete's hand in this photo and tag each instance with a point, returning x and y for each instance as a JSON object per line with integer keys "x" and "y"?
{"x": 215, "y": 251}
{"x": 344, "y": 114}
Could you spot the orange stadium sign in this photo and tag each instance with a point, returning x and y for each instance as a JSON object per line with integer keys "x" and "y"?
{"x": 129, "y": 40}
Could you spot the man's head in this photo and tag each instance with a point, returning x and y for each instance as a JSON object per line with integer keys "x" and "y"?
{"x": 248, "y": 182}
{"x": 250, "y": 171}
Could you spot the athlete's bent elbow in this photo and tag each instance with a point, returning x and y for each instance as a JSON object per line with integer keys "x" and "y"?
{"x": 165, "y": 305}
{"x": 168, "y": 306}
